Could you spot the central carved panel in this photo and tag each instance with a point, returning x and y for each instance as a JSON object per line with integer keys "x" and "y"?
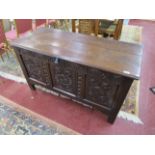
{"x": 64, "y": 75}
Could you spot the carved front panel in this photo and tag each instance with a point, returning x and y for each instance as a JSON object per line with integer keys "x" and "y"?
{"x": 101, "y": 87}
{"x": 37, "y": 67}
{"x": 64, "y": 75}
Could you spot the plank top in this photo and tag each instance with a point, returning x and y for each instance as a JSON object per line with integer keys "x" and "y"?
{"x": 108, "y": 55}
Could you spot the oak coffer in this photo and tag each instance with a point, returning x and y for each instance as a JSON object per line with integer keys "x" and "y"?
{"x": 95, "y": 71}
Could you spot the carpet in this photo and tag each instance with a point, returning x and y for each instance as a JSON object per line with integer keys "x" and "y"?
{"x": 132, "y": 34}
{"x": 11, "y": 69}
{"x": 16, "y": 120}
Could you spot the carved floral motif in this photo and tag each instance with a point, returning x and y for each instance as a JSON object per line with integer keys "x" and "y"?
{"x": 100, "y": 87}
{"x": 37, "y": 68}
{"x": 64, "y": 76}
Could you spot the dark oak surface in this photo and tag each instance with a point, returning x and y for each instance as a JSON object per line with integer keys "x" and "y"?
{"x": 91, "y": 70}
{"x": 108, "y": 55}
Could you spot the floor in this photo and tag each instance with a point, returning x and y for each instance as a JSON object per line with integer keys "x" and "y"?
{"x": 147, "y": 98}
{"x": 17, "y": 120}
{"x": 85, "y": 120}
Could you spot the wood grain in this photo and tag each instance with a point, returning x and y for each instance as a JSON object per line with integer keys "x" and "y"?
{"x": 109, "y": 55}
